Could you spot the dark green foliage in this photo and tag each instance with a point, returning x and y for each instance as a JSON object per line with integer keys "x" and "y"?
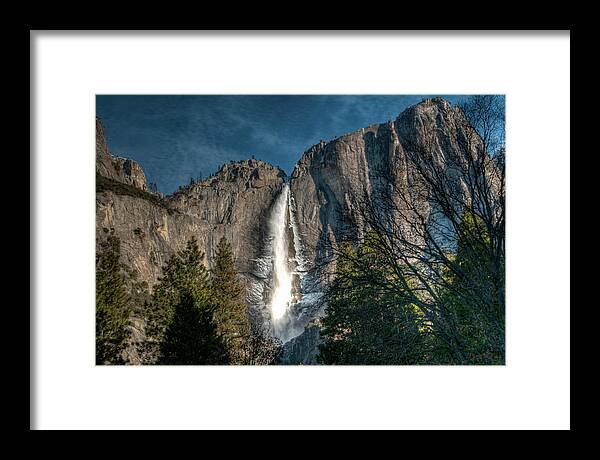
{"x": 365, "y": 324}
{"x": 373, "y": 314}
{"x": 474, "y": 295}
{"x": 184, "y": 276}
{"x": 184, "y": 273}
{"x": 112, "y": 308}
{"x": 200, "y": 318}
{"x": 229, "y": 307}
{"x": 191, "y": 336}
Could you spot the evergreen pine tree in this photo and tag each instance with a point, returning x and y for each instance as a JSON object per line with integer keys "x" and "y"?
{"x": 363, "y": 323}
{"x": 181, "y": 307}
{"x": 230, "y": 314}
{"x": 112, "y": 310}
{"x": 191, "y": 336}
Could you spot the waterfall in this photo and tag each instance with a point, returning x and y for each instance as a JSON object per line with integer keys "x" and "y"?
{"x": 282, "y": 275}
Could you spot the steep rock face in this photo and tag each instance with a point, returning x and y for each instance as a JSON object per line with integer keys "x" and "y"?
{"x": 233, "y": 203}
{"x": 130, "y": 172}
{"x": 302, "y": 349}
{"x": 327, "y": 180}
{"x": 149, "y": 231}
{"x": 331, "y": 177}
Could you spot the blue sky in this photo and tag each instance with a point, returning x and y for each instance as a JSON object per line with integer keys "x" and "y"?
{"x": 177, "y": 137}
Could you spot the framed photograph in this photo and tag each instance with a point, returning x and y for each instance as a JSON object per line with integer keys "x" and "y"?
{"x": 382, "y": 245}
{"x": 273, "y": 228}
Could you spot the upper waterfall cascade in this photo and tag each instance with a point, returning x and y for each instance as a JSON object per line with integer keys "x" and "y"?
{"x": 282, "y": 275}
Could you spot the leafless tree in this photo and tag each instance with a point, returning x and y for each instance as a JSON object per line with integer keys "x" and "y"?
{"x": 443, "y": 206}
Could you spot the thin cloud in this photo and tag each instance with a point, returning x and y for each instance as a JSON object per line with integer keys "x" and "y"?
{"x": 178, "y": 137}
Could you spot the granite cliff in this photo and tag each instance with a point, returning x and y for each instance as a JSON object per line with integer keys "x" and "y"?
{"x": 332, "y": 177}
{"x": 324, "y": 187}
{"x": 234, "y": 202}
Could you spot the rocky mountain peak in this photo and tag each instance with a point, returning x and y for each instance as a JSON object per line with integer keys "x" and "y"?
{"x": 251, "y": 170}
{"x": 234, "y": 176}
{"x": 421, "y": 116}
{"x": 130, "y": 172}
{"x": 120, "y": 169}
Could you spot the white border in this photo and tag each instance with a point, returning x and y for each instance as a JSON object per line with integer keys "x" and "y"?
{"x": 531, "y": 391}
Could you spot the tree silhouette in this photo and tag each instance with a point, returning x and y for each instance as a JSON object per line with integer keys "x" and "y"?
{"x": 183, "y": 275}
{"x": 191, "y": 337}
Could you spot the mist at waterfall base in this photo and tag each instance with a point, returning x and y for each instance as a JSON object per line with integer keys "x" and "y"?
{"x": 282, "y": 276}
